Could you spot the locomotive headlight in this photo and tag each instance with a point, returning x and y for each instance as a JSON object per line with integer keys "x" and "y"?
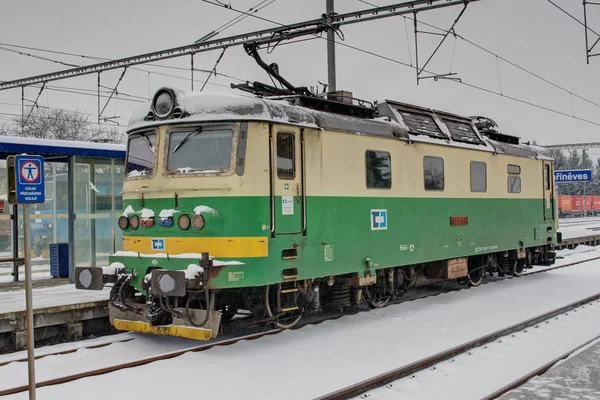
{"x": 123, "y": 222}
{"x": 184, "y": 222}
{"x": 134, "y": 222}
{"x": 164, "y": 102}
{"x": 198, "y": 222}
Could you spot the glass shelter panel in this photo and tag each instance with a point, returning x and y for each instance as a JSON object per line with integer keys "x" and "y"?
{"x": 98, "y": 186}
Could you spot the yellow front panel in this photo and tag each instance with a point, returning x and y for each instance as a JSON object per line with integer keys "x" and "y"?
{"x": 187, "y": 332}
{"x": 227, "y": 247}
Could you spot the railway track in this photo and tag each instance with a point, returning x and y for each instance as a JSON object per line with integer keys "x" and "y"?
{"x": 227, "y": 341}
{"x": 407, "y": 370}
{"x": 537, "y": 371}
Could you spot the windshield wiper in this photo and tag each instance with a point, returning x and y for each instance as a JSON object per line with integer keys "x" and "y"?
{"x": 147, "y": 141}
{"x": 185, "y": 139}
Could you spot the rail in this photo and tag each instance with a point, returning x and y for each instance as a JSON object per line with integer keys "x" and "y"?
{"x": 401, "y": 372}
{"x": 538, "y": 371}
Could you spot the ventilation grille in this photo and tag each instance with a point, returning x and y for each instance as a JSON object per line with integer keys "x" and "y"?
{"x": 421, "y": 124}
{"x": 462, "y": 131}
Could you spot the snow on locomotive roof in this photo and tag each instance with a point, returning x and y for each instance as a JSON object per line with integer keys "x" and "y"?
{"x": 426, "y": 125}
{"x": 200, "y": 106}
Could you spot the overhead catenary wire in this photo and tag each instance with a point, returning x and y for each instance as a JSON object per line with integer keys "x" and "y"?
{"x": 402, "y": 63}
{"x": 38, "y": 57}
{"x": 573, "y": 17}
{"x": 300, "y": 29}
{"x": 57, "y": 109}
{"x": 235, "y": 20}
{"x": 95, "y": 58}
{"x": 462, "y": 82}
{"x": 12, "y": 116}
{"x": 501, "y": 58}
{"x": 123, "y": 95}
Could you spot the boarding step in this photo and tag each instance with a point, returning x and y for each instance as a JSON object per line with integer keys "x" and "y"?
{"x": 287, "y": 296}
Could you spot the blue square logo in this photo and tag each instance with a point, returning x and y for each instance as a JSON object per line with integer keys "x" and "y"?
{"x": 158, "y": 244}
{"x": 378, "y": 220}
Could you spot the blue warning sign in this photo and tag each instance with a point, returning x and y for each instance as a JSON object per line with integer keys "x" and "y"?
{"x": 30, "y": 179}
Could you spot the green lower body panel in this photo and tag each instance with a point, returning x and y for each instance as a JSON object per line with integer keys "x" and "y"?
{"x": 341, "y": 233}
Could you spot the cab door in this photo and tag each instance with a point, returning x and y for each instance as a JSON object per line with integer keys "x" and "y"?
{"x": 548, "y": 191}
{"x": 287, "y": 181}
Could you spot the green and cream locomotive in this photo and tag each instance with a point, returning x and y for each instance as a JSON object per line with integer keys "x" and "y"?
{"x": 285, "y": 206}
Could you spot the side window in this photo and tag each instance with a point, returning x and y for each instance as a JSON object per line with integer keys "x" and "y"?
{"x": 286, "y": 159}
{"x": 433, "y": 171}
{"x": 478, "y": 176}
{"x": 547, "y": 176}
{"x": 379, "y": 169}
{"x": 514, "y": 180}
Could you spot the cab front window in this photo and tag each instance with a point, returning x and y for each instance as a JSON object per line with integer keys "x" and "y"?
{"x": 200, "y": 149}
{"x": 140, "y": 155}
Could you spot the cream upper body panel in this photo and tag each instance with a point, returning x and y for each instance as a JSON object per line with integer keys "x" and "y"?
{"x": 253, "y": 182}
{"x": 336, "y": 166}
{"x": 334, "y": 158}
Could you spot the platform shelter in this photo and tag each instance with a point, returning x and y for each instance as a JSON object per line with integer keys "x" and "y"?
{"x": 83, "y": 182}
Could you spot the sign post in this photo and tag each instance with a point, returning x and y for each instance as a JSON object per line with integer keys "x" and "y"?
{"x": 26, "y": 186}
{"x": 575, "y": 176}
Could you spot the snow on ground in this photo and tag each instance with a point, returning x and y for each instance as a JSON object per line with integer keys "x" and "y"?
{"x": 14, "y": 301}
{"x": 504, "y": 361}
{"x": 14, "y": 374}
{"x": 35, "y": 275}
{"x": 582, "y": 248}
{"x": 318, "y": 359}
{"x": 63, "y": 347}
{"x": 578, "y": 227}
{"x": 580, "y": 253}
{"x": 577, "y": 377}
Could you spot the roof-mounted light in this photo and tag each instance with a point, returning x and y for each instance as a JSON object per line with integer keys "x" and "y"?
{"x": 163, "y": 103}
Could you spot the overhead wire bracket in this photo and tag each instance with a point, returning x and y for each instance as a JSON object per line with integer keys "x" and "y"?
{"x": 589, "y": 49}
{"x": 421, "y": 69}
{"x": 112, "y": 93}
{"x": 35, "y": 103}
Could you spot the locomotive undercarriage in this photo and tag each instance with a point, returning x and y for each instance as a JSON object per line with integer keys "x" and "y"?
{"x": 282, "y": 305}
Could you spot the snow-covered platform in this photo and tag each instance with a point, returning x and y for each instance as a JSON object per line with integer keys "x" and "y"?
{"x": 578, "y": 377}
{"x": 59, "y": 311}
{"x": 576, "y": 231}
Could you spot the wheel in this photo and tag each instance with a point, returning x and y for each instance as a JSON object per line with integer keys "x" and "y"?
{"x": 378, "y": 299}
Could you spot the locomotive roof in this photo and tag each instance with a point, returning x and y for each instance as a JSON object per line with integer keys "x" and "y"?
{"x": 397, "y": 120}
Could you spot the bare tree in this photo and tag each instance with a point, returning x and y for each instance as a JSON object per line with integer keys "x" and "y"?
{"x": 53, "y": 123}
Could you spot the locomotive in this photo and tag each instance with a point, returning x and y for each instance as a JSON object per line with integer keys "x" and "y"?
{"x": 286, "y": 204}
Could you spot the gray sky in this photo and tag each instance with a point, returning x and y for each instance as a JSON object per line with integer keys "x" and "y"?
{"x": 532, "y": 33}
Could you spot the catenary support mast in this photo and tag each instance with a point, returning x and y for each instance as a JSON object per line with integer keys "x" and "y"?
{"x": 331, "y": 78}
